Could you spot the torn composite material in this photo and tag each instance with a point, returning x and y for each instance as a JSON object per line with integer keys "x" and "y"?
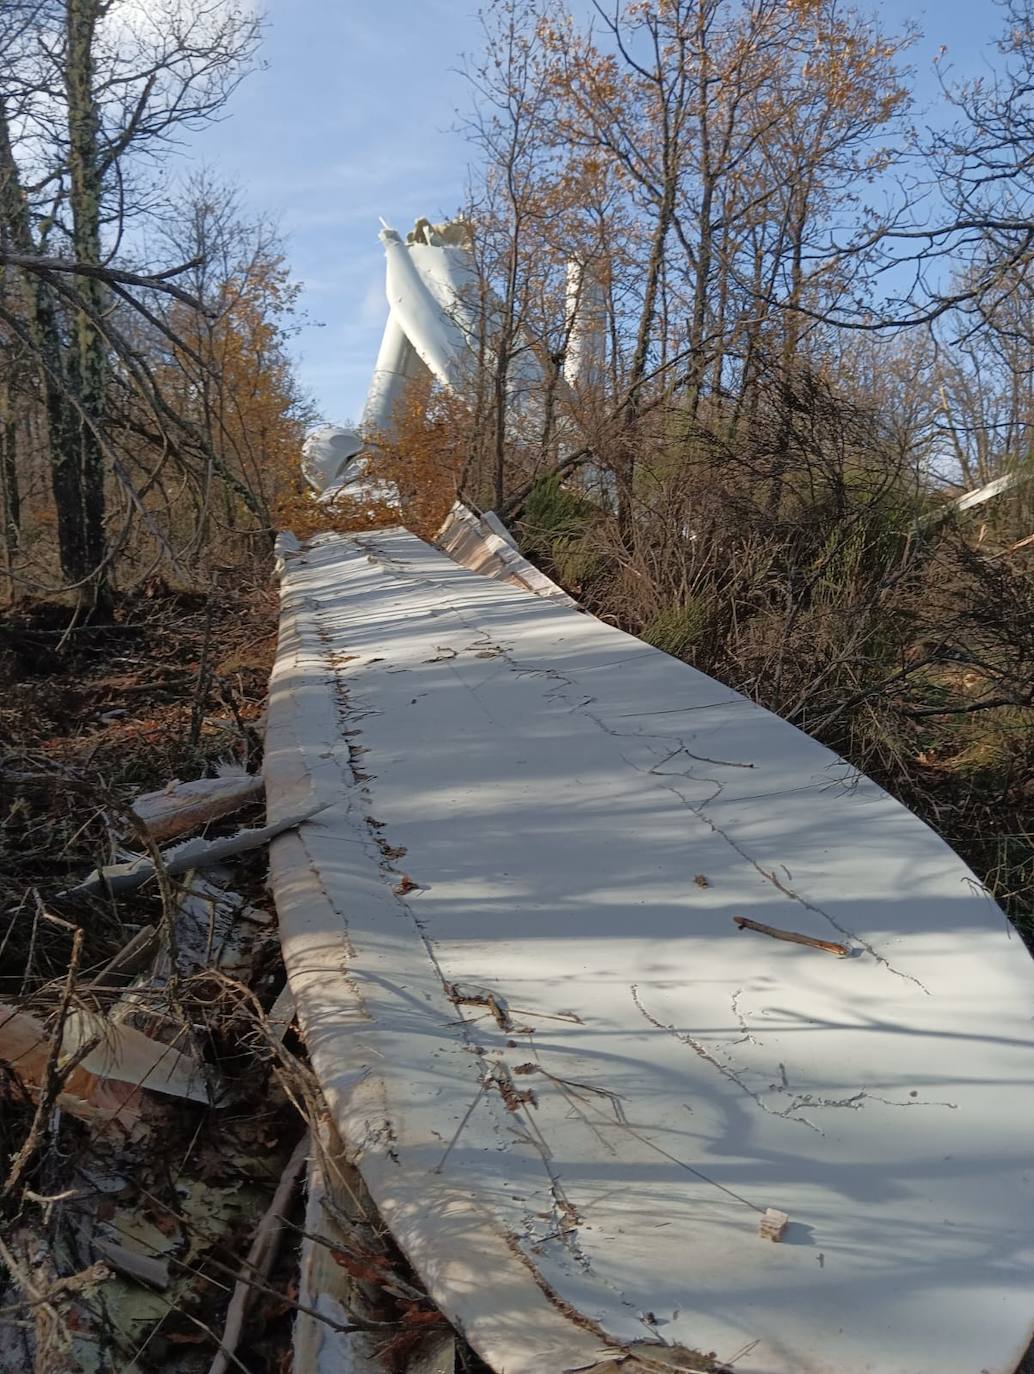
{"x": 483, "y": 544}
{"x": 572, "y": 1085}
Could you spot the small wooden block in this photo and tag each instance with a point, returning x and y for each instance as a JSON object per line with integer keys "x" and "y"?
{"x": 773, "y": 1224}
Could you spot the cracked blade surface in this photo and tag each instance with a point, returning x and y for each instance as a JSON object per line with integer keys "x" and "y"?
{"x": 572, "y": 1084}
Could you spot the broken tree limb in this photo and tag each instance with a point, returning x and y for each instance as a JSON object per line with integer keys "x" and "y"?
{"x": 42, "y": 1293}
{"x": 52, "y": 1079}
{"x": 829, "y": 946}
{"x": 183, "y": 806}
{"x": 259, "y": 1261}
{"x": 159, "y": 281}
{"x": 126, "y": 877}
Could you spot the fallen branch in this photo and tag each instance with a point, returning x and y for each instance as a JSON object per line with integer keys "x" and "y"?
{"x": 745, "y": 923}
{"x": 53, "y": 1338}
{"x": 51, "y": 1080}
{"x": 183, "y": 806}
{"x": 987, "y": 704}
{"x": 260, "y": 1257}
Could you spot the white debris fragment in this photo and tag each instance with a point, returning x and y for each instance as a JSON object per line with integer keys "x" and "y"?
{"x": 773, "y": 1224}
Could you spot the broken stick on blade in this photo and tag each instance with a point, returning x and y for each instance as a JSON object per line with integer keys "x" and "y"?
{"x": 745, "y": 923}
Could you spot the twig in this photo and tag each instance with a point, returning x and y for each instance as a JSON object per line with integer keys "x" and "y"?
{"x": 204, "y": 677}
{"x": 33, "y": 262}
{"x": 53, "y": 1339}
{"x": 156, "y": 863}
{"x": 130, "y": 959}
{"x": 52, "y": 1079}
{"x": 466, "y": 1117}
{"x": 347, "y": 1328}
{"x": 745, "y": 923}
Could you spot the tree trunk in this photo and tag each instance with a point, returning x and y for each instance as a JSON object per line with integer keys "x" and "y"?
{"x": 8, "y": 462}
{"x": 9, "y": 491}
{"x": 43, "y": 329}
{"x": 629, "y": 435}
{"x": 504, "y": 358}
{"x": 787, "y": 366}
{"x": 80, "y": 481}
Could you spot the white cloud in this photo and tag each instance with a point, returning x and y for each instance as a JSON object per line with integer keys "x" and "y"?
{"x": 374, "y": 308}
{"x": 151, "y": 23}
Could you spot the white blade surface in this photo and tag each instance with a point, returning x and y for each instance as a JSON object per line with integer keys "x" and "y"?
{"x": 581, "y": 818}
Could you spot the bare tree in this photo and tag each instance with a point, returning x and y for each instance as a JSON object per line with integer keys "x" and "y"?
{"x": 103, "y": 90}
{"x": 520, "y": 194}
{"x": 962, "y": 237}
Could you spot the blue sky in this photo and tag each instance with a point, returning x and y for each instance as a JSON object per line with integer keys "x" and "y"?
{"x": 352, "y": 117}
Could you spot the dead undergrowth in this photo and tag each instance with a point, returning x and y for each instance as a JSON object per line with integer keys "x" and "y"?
{"x": 92, "y": 715}
{"x": 129, "y": 1217}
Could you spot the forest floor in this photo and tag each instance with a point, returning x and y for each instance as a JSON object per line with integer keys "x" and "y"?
{"x": 89, "y": 718}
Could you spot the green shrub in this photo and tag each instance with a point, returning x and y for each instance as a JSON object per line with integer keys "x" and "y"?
{"x": 677, "y": 629}
{"x": 553, "y": 514}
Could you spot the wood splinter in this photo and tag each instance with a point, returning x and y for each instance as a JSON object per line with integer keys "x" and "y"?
{"x": 773, "y": 1224}
{"x": 745, "y": 923}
